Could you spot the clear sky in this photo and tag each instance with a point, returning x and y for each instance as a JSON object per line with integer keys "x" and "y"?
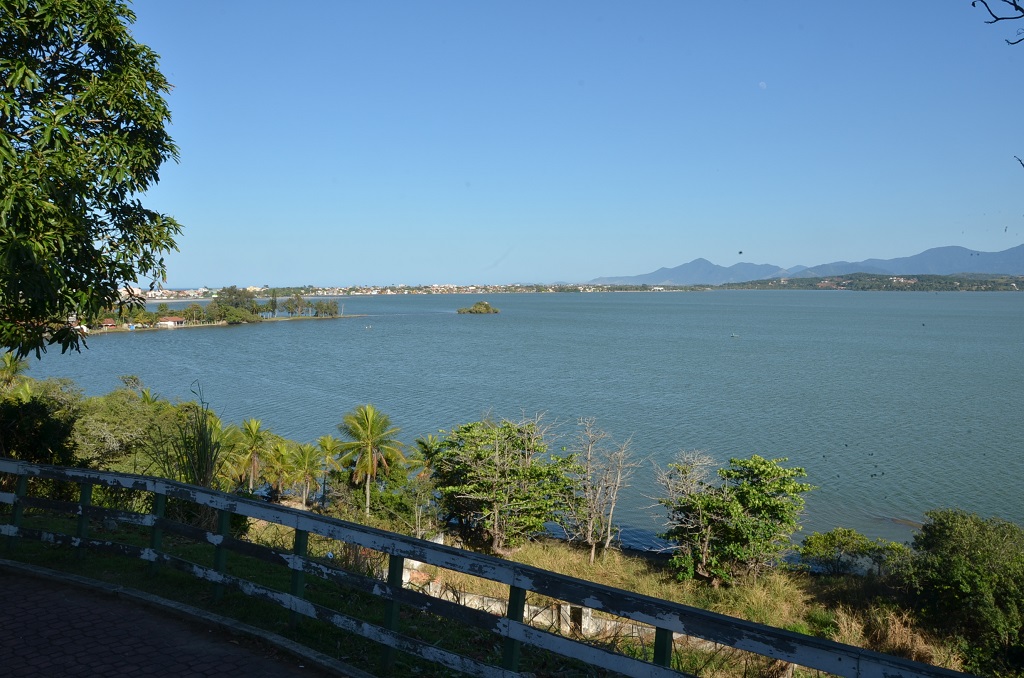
{"x": 468, "y": 141}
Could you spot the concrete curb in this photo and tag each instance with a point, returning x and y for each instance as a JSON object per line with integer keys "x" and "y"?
{"x": 187, "y": 612}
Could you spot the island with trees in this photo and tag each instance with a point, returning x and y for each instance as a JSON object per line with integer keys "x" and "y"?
{"x": 479, "y": 308}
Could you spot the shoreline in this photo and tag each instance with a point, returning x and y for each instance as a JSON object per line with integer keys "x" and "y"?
{"x": 220, "y": 323}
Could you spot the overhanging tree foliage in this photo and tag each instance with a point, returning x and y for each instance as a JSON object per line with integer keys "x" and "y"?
{"x": 82, "y": 135}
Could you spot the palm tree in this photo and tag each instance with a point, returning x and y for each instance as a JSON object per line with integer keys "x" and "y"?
{"x": 254, "y": 444}
{"x": 306, "y": 464}
{"x": 299, "y": 304}
{"x": 193, "y": 313}
{"x": 11, "y": 370}
{"x": 428, "y": 446}
{"x": 23, "y": 392}
{"x": 277, "y": 466}
{"x": 371, "y": 444}
{"x": 234, "y": 468}
{"x": 330, "y": 448}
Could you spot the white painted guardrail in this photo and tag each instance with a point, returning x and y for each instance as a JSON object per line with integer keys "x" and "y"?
{"x": 668, "y": 621}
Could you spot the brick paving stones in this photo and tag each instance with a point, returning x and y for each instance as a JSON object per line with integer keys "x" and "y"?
{"x": 55, "y": 629}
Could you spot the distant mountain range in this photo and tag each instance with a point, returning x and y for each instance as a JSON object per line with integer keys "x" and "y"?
{"x": 936, "y": 261}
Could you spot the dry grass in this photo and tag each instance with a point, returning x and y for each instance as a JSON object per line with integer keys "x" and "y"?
{"x": 726, "y": 662}
{"x": 779, "y": 599}
{"x": 615, "y": 568}
{"x": 892, "y": 631}
{"x": 849, "y": 627}
{"x": 774, "y": 599}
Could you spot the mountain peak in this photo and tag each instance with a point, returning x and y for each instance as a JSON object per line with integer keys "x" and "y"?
{"x": 948, "y": 260}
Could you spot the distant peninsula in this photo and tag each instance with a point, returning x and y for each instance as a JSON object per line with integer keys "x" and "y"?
{"x": 480, "y": 307}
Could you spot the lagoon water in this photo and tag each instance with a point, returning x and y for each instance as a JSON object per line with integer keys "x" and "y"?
{"x": 895, "y": 403}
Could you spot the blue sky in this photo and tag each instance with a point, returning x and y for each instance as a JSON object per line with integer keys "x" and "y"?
{"x": 456, "y": 141}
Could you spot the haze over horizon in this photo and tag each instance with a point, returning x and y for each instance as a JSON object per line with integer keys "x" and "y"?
{"x": 389, "y": 143}
{"x": 935, "y": 261}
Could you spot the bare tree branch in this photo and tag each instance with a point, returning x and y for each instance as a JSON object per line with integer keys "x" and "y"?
{"x": 1018, "y": 10}
{"x": 603, "y": 468}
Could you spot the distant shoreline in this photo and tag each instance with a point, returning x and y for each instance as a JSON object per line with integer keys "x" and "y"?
{"x": 219, "y": 323}
{"x": 858, "y": 282}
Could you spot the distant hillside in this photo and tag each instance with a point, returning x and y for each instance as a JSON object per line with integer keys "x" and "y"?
{"x": 936, "y": 261}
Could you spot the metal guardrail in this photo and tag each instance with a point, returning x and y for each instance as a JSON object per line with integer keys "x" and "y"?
{"x": 667, "y": 620}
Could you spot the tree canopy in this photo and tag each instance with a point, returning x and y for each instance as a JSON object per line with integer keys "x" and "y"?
{"x": 741, "y": 523}
{"x": 966, "y": 576}
{"x": 498, "y": 481}
{"x": 82, "y": 134}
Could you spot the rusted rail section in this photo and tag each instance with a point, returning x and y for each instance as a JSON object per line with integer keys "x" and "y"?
{"x": 667, "y": 620}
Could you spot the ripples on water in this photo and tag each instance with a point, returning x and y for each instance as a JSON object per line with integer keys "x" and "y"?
{"x": 895, "y": 403}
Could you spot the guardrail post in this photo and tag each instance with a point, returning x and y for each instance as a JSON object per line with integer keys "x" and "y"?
{"x": 299, "y": 548}
{"x": 396, "y": 571}
{"x": 514, "y": 612}
{"x": 17, "y": 509}
{"x": 663, "y": 647}
{"x": 84, "y": 502}
{"x": 156, "y": 534}
{"x": 220, "y": 554}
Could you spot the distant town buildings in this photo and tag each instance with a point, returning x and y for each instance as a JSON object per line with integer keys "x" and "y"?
{"x": 264, "y": 292}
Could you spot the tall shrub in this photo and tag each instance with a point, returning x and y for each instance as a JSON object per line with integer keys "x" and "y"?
{"x": 498, "y": 482}
{"x": 739, "y": 523}
{"x": 192, "y": 454}
{"x": 966, "y": 577}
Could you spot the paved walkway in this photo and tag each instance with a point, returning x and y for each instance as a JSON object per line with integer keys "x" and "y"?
{"x": 55, "y": 628}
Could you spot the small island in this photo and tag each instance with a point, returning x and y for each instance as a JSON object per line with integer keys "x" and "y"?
{"x": 479, "y": 307}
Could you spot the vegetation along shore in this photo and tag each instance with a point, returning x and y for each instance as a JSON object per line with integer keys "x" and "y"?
{"x": 86, "y": 130}
{"x": 950, "y": 597}
{"x": 234, "y": 305}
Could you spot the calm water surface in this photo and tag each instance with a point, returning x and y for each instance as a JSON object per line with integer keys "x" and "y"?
{"x": 895, "y": 403}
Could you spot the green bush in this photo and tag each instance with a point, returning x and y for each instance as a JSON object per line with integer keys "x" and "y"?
{"x": 36, "y": 425}
{"x": 740, "y": 524}
{"x": 838, "y": 551}
{"x": 498, "y": 481}
{"x": 966, "y": 577}
{"x": 843, "y": 551}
